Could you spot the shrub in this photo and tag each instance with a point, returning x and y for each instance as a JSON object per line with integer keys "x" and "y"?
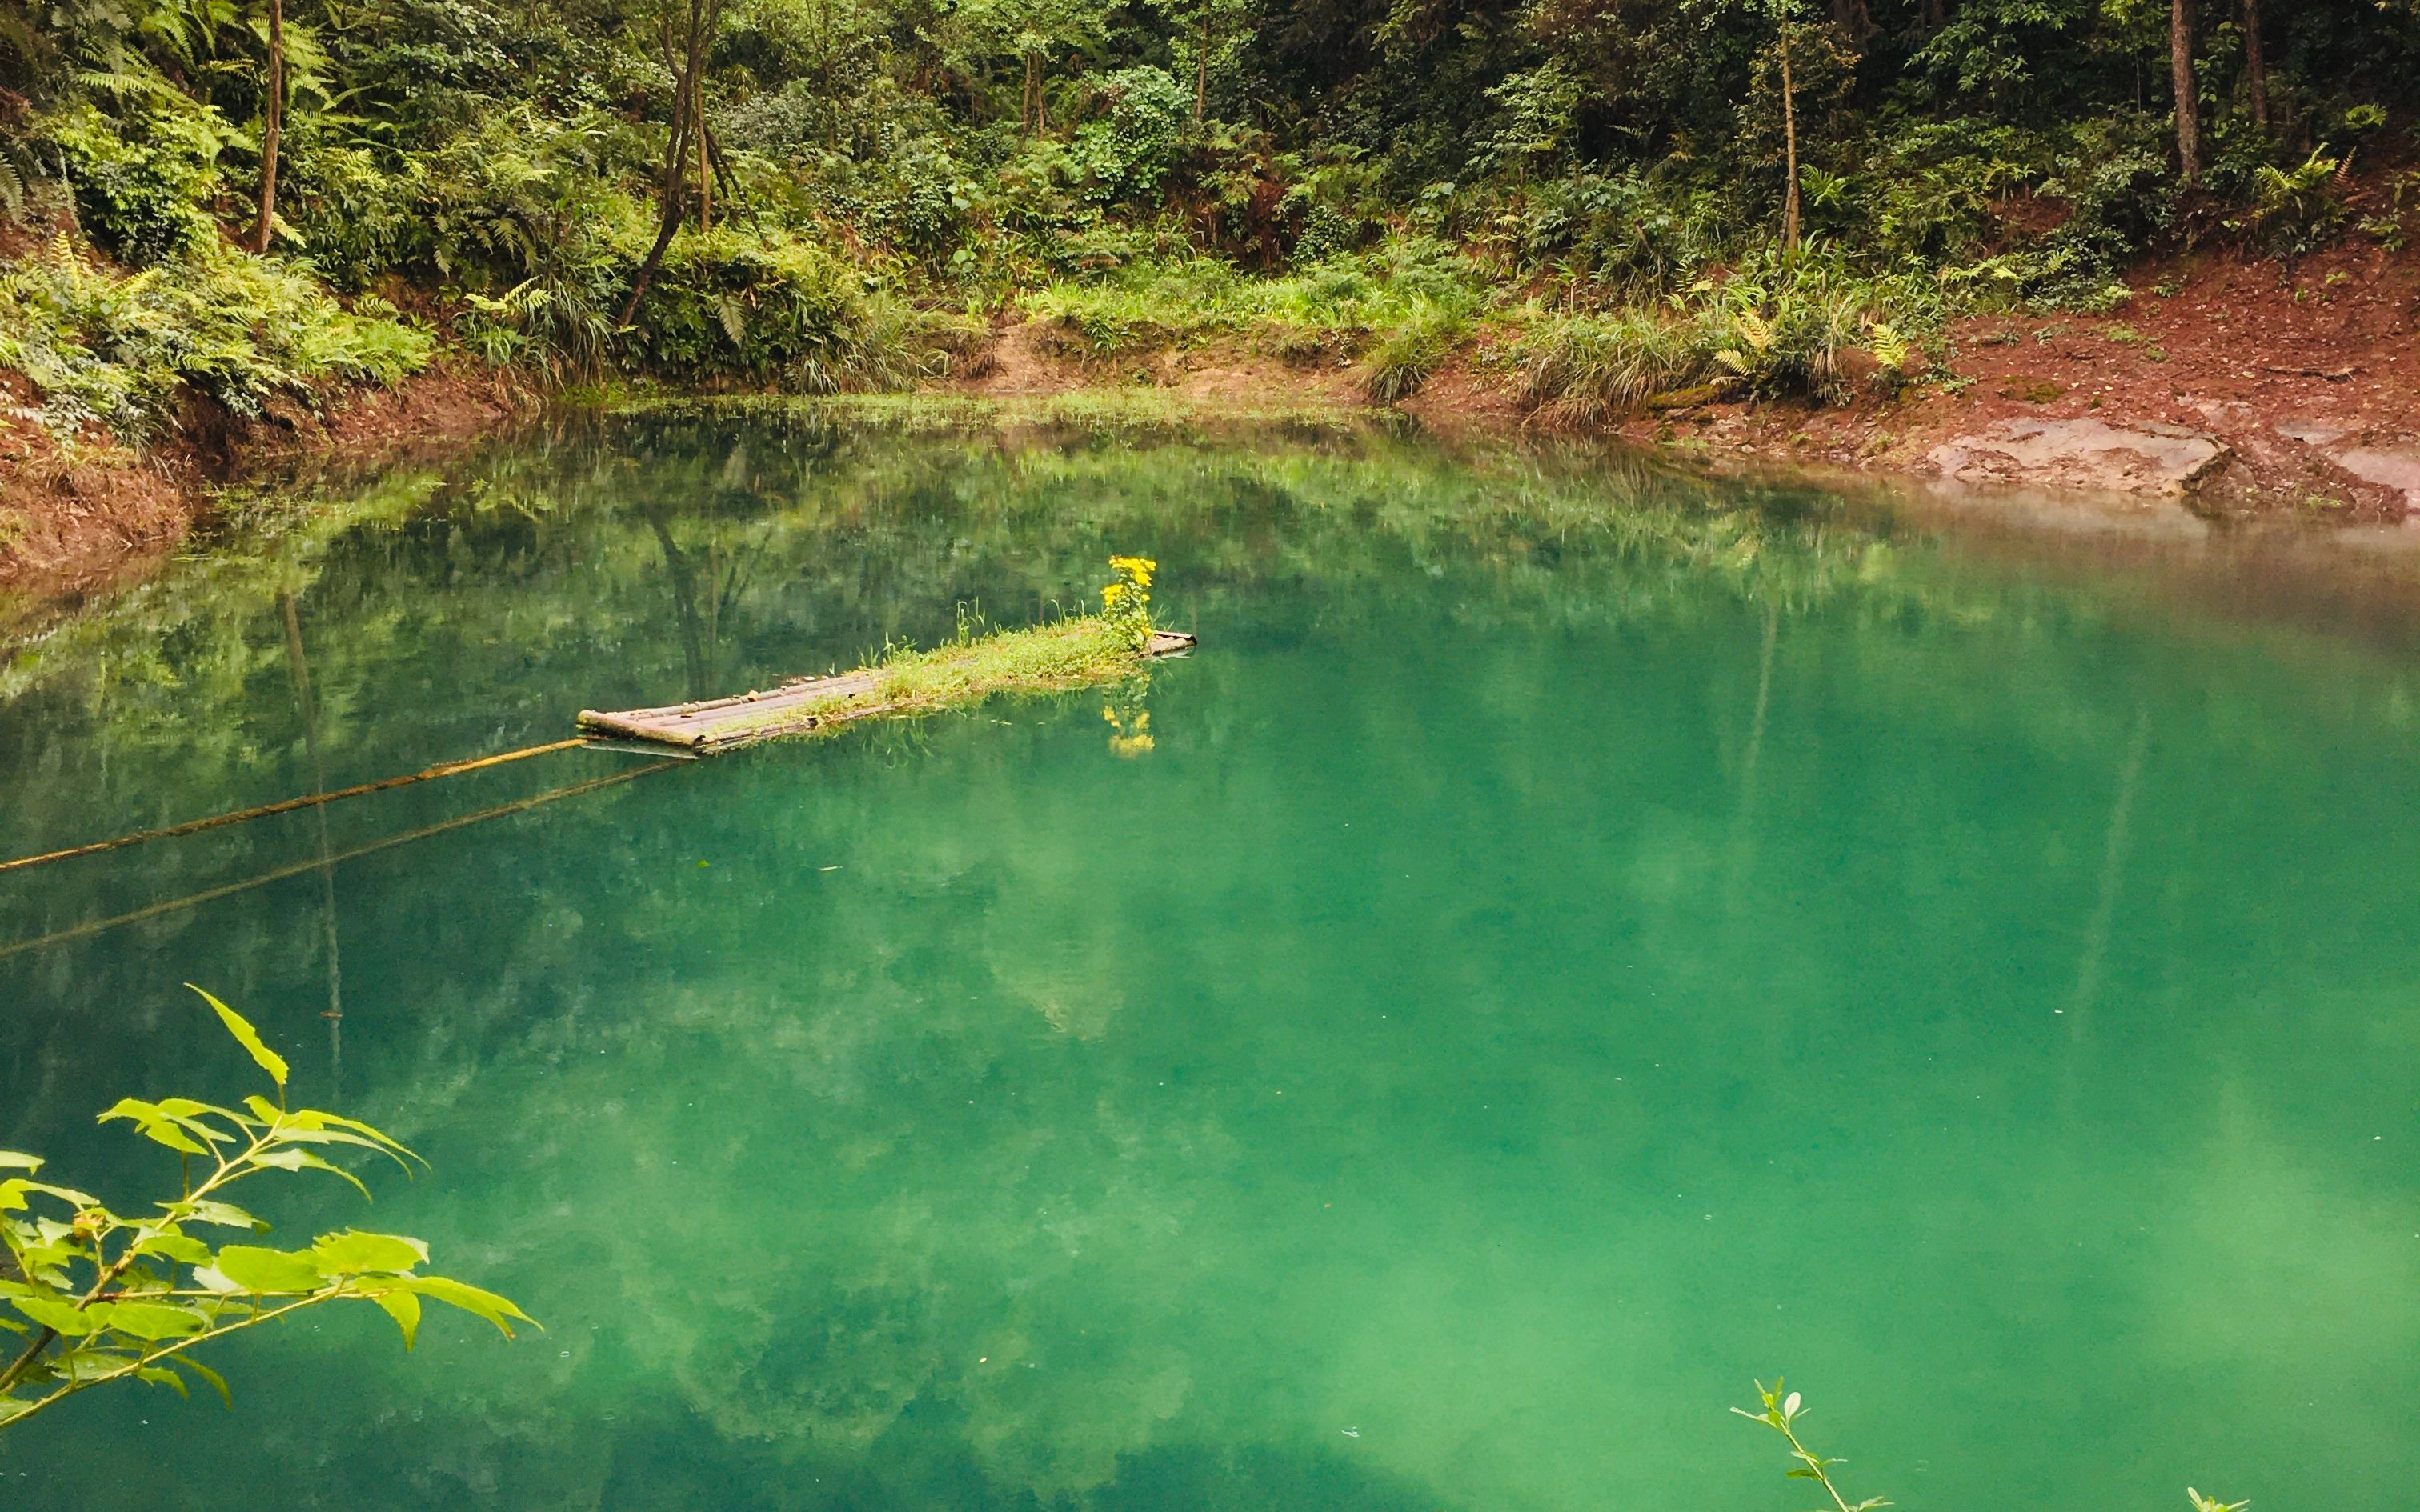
{"x": 1127, "y": 151}
{"x": 768, "y": 307}
{"x": 520, "y": 215}
{"x": 145, "y": 181}
{"x": 1632, "y": 231}
{"x": 118, "y": 350}
{"x": 2300, "y": 210}
{"x": 351, "y": 217}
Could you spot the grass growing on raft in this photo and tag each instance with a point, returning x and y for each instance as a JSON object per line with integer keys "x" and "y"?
{"x": 1084, "y": 651}
{"x": 1081, "y": 651}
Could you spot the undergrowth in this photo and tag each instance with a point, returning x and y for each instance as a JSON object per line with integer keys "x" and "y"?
{"x": 1811, "y": 329}
{"x": 112, "y": 351}
{"x": 1410, "y": 300}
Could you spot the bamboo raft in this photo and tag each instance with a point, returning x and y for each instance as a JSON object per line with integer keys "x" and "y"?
{"x": 800, "y": 706}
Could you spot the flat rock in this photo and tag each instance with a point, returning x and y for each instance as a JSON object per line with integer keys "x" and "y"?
{"x": 2311, "y": 432}
{"x": 2147, "y": 458}
{"x": 2383, "y": 465}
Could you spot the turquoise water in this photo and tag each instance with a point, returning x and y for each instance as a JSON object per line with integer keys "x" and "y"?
{"x": 1580, "y": 939}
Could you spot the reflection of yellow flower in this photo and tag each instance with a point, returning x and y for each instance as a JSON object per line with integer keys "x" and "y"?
{"x": 1131, "y": 740}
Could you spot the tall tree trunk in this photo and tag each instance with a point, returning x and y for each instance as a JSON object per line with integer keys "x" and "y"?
{"x": 673, "y": 192}
{"x": 2255, "y": 71}
{"x": 704, "y": 159}
{"x": 272, "y": 121}
{"x": 2180, "y": 73}
{"x": 1201, "y": 66}
{"x": 1790, "y": 148}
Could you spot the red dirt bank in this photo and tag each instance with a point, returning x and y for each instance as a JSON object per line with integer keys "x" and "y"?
{"x": 2306, "y": 374}
{"x": 70, "y": 526}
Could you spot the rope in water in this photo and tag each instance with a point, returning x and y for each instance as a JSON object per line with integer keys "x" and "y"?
{"x": 79, "y": 932}
{"x": 194, "y": 826}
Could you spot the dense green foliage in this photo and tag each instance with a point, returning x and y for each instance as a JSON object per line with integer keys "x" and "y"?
{"x": 824, "y": 193}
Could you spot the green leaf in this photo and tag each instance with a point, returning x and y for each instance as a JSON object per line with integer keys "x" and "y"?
{"x": 160, "y": 1376}
{"x": 225, "y": 1215}
{"x": 93, "y": 1364}
{"x": 152, "y": 1321}
{"x": 405, "y": 1309}
{"x": 497, "y": 1310}
{"x": 337, "y": 1121}
{"x": 291, "y": 1159}
{"x": 355, "y": 1252}
{"x": 65, "y": 1194}
{"x": 209, "y": 1279}
{"x": 181, "y": 1248}
{"x": 248, "y": 1037}
{"x": 217, "y": 1381}
{"x": 153, "y": 1124}
{"x": 59, "y": 1316}
{"x": 254, "y": 1268}
{"x": 12, "y": 1160}
{"x": 311, "y": 1127}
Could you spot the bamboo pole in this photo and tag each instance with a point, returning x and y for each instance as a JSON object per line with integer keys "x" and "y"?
{"x": 194, "y": 826}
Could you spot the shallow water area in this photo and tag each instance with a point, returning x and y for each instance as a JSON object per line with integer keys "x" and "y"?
{"x": 1574, "y": 939}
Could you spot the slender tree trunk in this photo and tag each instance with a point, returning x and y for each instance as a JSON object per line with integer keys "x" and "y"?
{"x": 272, "y": 121}
{"x": 2182, "y": 76}
{"x": 1790, "y": 148}
{"x": 672, "y": 193}
{"x": 1201, "y": 66}
{"x": 2255, "y": 71}
{"x": 704, "y": 160}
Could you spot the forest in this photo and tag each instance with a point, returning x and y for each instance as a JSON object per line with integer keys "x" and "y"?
{"x": 262, "y": 203}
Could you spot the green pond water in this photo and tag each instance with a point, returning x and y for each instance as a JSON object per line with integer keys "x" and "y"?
{"x": 1581, "y": 938}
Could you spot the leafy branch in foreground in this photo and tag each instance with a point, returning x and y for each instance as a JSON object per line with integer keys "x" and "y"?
{"x": 103, "y": 1297}
{"x": 1782, "y": 1413}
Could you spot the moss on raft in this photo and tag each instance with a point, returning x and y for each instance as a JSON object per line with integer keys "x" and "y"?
{"x": 1081, "y": 651}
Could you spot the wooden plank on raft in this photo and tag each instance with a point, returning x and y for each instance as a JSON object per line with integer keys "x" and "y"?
{"x": 711, "y": 726}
